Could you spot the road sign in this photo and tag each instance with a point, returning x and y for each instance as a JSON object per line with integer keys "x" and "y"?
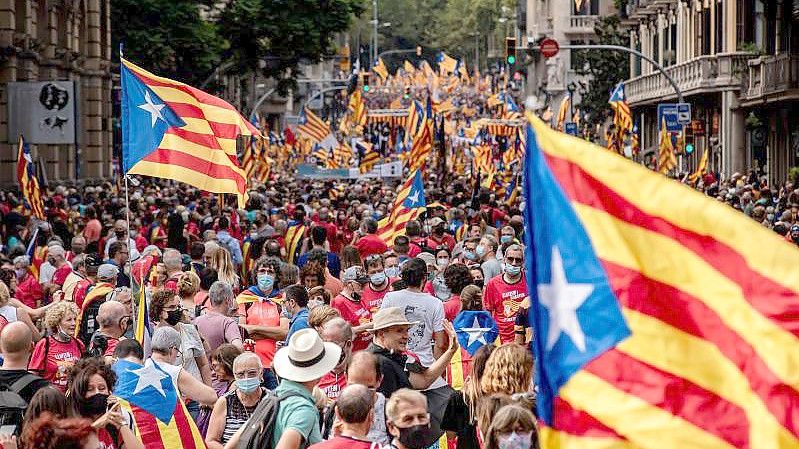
{"x": 571, "y": 128}
{"x": 549, "y": 47}
{"x": 683, "y": 113}
{"x": 670, "y": 113}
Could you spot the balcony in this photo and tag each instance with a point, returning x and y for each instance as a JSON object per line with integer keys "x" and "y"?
{"x": 771, "y": 78}
{"x": 582, "y": 25}
{"x": 707, "y": 73}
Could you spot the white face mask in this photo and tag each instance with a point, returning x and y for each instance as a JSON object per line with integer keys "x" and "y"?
{"x": 515, "y": 440}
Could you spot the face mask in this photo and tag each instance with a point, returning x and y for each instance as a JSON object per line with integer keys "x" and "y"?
{"x": 416, "y": 437}
{"x": 173, "y": 317}
{"x": 442, "y": 263}
{"x": 248, "y": 385}
{"x": 479, "y": 282}
{"x": 120, "y": 235}
{"x": 392, "y": 272}
{"x": 506, "y": 239}
{"x": 515, "y": 440}
{"x": 313, "y": 303}
{"x": 21, "y": 272}
{"x": 94, "y": 405}
{"x": 469, "y": 255}
{"x": 480, "y": 250}
{"x": 378, "y": 278}
{"x": 266, "y": 282}
{"x": 63, "y": 334}
{"x": 512, "y": 270}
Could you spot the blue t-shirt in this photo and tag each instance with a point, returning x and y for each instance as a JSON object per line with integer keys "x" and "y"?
{"x": 298, "y": 321}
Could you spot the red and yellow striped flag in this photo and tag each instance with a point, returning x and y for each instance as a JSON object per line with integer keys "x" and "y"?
{"x": 663, "y": 318}
{"x": 193, "y": 135}
{"x": 28, "y": 180}
{"x": 666, "y": 158}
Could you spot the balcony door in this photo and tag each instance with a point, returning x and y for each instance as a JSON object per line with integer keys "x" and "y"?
{"x": 587, "y": 8}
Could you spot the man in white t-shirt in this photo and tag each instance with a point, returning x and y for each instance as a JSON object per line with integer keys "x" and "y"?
{"x": 427, "y": 340}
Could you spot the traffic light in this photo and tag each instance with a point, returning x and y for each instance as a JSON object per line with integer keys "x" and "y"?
{"x": 689, "y": 139}
{"x": 366, "y": 77}
{"x": 510, "y": 50}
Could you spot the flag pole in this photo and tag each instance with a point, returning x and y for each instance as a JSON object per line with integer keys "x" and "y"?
{"x": 127, "y": 223}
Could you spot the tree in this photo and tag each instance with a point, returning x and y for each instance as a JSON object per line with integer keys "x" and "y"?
{"x": 605, "y": 68}
{"x": 167, "y": 37}
{"x": 276, "y": 36}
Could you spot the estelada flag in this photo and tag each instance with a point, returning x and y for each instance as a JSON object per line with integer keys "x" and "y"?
{"x": 663, "y": 318}
{"x": 160, "y": 419}
{"x": 174, "y": 131}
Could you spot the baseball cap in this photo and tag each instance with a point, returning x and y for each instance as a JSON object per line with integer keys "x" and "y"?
{"x": 355, "y": 273}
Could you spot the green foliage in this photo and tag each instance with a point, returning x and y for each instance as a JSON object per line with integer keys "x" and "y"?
{"x": 283, "y": 33}
{"x": 604, "y": 67}
{"x": 167, "y": 37}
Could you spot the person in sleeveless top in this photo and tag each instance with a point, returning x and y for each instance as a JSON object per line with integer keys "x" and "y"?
{"x": 235, "y": 407}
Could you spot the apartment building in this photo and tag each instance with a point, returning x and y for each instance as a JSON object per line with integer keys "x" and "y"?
{"x": 735, "y": 62}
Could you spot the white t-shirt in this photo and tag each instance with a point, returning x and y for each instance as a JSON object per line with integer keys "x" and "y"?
{"x": 429, "y": 312}
{"x": 9, "y": 313}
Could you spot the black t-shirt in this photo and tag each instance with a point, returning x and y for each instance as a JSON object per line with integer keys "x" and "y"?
{"x": 456, "y": 419}
{"x": 395, "y": 368}
{"x": 8, "y": 377}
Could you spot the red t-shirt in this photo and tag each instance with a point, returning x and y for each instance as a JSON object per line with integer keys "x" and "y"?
{"x": 373, "y": 298}
{"x": 370, "y": 244}
{"x": 452, "y": 307}
{"x": 356, "y": 314}
{"x": 342, "y": 443}
{"x": 446, "y": 240}
{"x": 106, "y": 442}
{"x": 264, "y": 313}
{"x": 503, "y": 300}
{"x": 54, "y": 366}
{"x": 333, "y": 383}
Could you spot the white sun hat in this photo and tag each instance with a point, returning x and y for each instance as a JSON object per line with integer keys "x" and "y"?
{"x": 306, "y": 357}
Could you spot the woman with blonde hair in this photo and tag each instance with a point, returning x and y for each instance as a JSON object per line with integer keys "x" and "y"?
{"x": 188, "y": 286}
{"x": 460, "y": 416}
{"x": 513, "y": 426}
{"x": 320, "y": 315}
{"x": 509, "y": 370}
{"x": 55, "y": 354}
{"x": 225, "y": 270}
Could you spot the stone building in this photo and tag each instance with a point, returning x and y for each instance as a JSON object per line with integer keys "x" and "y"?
{"x": 60, "y": 40}
{"x": 736, "y": 62}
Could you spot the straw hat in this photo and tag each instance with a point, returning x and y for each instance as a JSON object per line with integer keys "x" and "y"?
{"x": 390, "y": 316}
{"x": 306, "y": 357}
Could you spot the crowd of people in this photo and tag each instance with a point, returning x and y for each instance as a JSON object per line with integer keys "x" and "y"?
{"x": 292, "y": 313}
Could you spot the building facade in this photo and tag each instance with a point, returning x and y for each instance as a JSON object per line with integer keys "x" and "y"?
{"x": 60, "y": 40}
{"x": 734, "y": 61}
{"x": 549, "y": 79}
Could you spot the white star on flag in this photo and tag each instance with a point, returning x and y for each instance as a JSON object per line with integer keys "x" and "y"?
{"x": 152, "y": 108}
{"x": 562, "y": 300}
{"x": 476, "y": 333}
{"x": 149, "y": 376}
{"x": 414, "y": 198}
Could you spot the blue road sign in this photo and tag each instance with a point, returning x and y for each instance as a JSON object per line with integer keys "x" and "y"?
{"x": 571, "y": 128}
{"x": 671, "y": 113}
{"x": 684, "y": 113}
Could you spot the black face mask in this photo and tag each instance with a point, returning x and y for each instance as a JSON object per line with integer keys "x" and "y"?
{"x": 419, "y": 436}
{"x": 173, "y": 317}
{"x": 94, "y": 405}
{"x": 479, "y": 282}
{"x": 120, "y": 235}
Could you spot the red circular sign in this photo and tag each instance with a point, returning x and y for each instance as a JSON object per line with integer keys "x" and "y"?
{"x": 549, "y": 47}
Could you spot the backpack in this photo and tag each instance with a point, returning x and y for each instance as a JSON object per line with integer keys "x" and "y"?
{"x": 260, "y": 428}
{"x": 12, "y": 406}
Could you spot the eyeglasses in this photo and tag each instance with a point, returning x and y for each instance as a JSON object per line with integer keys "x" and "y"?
{"x": 514, "y": 259}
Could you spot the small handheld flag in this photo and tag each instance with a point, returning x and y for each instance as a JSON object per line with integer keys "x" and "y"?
{"x": 475, "y": 329}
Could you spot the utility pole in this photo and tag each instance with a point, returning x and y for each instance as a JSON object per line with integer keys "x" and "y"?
{"x": 373, "y": 56}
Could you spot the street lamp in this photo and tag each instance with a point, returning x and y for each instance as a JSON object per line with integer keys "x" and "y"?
{"x": 571, "y": 88}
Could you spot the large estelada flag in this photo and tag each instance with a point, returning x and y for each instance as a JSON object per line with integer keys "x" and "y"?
{"x": 662, "y": 318}
{"x": 174, "y": 131}
{"x": 28, "y": 180}
{"x": 408, "y": 205}
{"x": 160, "y": 419}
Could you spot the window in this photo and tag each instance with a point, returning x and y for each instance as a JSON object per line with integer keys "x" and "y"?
{"x": 21, "y": 16}
{"x": 588, "y": 8}
{"x": 719, "y": 27}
